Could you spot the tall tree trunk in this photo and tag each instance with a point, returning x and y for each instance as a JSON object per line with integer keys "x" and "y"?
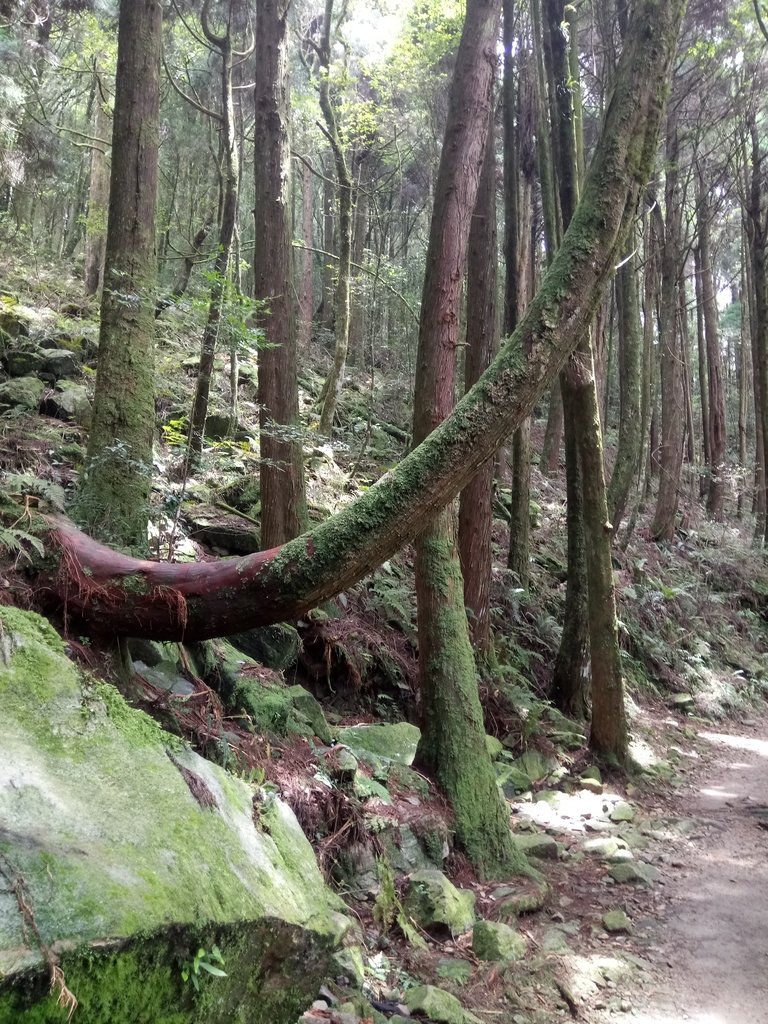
{"x": 227, "y": 225}
{"x": 519, "y": 163}
{"x": 105, "y": 590}
{"x": 306, "y": 278}
{"x": 629, "y": 450}
{"x": 716, "y": 419}
{"x": 357, "y": 312}
{"x": 743, "y": 377}
{"x": 453, "y": 734}
{"x": 281, "y": 471}
{"x": 98, "y": 200}
{"x": 114, "y": 495}
{"x": 326, "y": 311}
{"x": 329, "y": 108}
{"x": 476, "y": 503}
{"x": 672, "y": 394}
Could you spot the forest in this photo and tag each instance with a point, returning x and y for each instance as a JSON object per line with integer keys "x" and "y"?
{"x": 383, "y": 511}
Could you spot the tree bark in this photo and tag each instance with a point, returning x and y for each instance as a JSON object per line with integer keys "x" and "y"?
{"x": 281, "y": 471}
{"x": 476, "y": 503}
{"x": 104, "y": 590}
{"x": 98, "y": 201}
{"x": 672, "y": 394}
{"x": 114, "y": 494}
{"x": 306, "y": 278}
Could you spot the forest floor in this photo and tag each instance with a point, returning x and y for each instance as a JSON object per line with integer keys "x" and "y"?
{"x": 709, "y": 946}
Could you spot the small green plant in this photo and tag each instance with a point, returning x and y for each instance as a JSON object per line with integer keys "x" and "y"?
{"x": 205, "y": 961}
{"x": 388, "y": 910}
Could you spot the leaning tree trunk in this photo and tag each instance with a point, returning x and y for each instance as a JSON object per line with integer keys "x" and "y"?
{"x": 476, "y": 504}
{"x": 453, "y": 743}
{"x": 105, "y": 591}
{"x": 114, "y": 494}
{"x": 283, "y": 503}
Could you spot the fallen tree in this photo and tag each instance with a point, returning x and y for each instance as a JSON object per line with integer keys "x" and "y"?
{"x": 107, "y": 592}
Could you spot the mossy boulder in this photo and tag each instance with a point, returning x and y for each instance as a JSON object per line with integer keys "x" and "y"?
{"x": 285, "y": 710}
{"x": 496, "y": 941}
{"x": 222, "y": 530}
{"x": 438, "y": 1005}
{"x": 23, "y": 362}
{"x": 68, "y": 402}
{"x": 22, "y": 393}
{"x": 275, "y": 646}
{"x": 132, "y": 853}
{"x": 60, "y": 363}
{"x": 434, "y": 902}
{"x": 396, "y": 741}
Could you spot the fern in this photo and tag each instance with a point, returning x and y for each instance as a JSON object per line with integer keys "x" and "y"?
{"x": 17, "y": 485}
{"x": 18, "y": 542}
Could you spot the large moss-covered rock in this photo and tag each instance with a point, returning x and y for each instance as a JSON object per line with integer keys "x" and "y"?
{"x": 21, "y": 393}
{"x": 496, "y": 941}
{"x": 438, "y": 1005}
{"x": 123, "y": 854}
{"x": 285, "y": 710}
{"x": 396, "y": 742}
{"x": 434, "y": 902}
{"x": 275, "y": 646}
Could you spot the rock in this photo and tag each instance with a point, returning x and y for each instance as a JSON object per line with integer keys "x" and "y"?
{"x": 622, "y": 811}
{"x": 149, "y": 651}
{"x": 22, "y": 393}
{"x": 608, "y": 848}
{"x": 434, "y": 902}
{"x": 681, "y": 702}
{"x": 535, "y": 766}
{"x": 593, "y": 773}
{"x": 494, "y": 747}
{"x": 68, "y": 402}
{"x": 217, "y": 528}
{"x": 495, "y": 941}
{"x": 633, "y": 872}
{"x": 23, "y": 362}
{"x": 537, "y": 844}
{"x": 554, "y": 941}
{"x": 132, "y": 861}
{"x": 438, "y": 1005}
{"x": 617, "y": 922}
{"x": 165, "y": 676}
{"x": 60, "y": 363}
{"x": 396, "y": 741}
{"x": 349, "y": 963}
{"x": 529, "y": 899}
{"x": 285, "y": 710}
{"x": 14, "y": 319}
{"x": 511, "y": 780}
{"x": 275, "y": 646}
{"x": 592, "y": 785}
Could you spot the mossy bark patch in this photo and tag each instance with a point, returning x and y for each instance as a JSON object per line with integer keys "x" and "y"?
{"x": 111, "y": 847}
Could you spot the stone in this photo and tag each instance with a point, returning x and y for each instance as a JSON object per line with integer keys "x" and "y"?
{"x": 276, "y": 646}
{"x": 554, "y": 941}
{"x": 537, "y": 844}
{"x": 60, "y": 363}
{"x": 149, "y": 651}
{"x": 496, "y": 941}
{"x": 23, "y": 362}
{"x": 681, "y": 702}
{"x": 23, "y": 393}
{"x": 68, "y": 402}
{"x": 164, "y": 676}
{"x": 210, "y": 525}
{"x": 607, "y": 847}
{"x": 494, "y": 747}
{"x": 15, "y": 320}
{"x": 511, "y": 780}
{"x": 395, "y": 741}
{"x": 633, "y": 872}
{"x": 528, "y": 900}
{"x": 591, "y": 785}
{"x": 434, "y": 902}
{"x": 535, "y": 766}
{"x": 349, "y": 963}
{"x": 132, "y": 860}
{"x": 438, "y": 1005}
{"x": 593, "y": 773}
{"x": 622, "y": 811}
{"x": 617, "y": 922}
{"x": 280, "y": 709}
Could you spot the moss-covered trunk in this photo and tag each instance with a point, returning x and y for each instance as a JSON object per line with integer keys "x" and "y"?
{"x": 98, "y": 197}
{"x": 113, "y": 500}
{"x": 105, "y": 590}
{"x": 453, "y": 743}
{"x": 283, "y": 503}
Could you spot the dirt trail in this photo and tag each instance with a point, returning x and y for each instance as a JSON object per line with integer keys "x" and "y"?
{"x": 715, "y": 939}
